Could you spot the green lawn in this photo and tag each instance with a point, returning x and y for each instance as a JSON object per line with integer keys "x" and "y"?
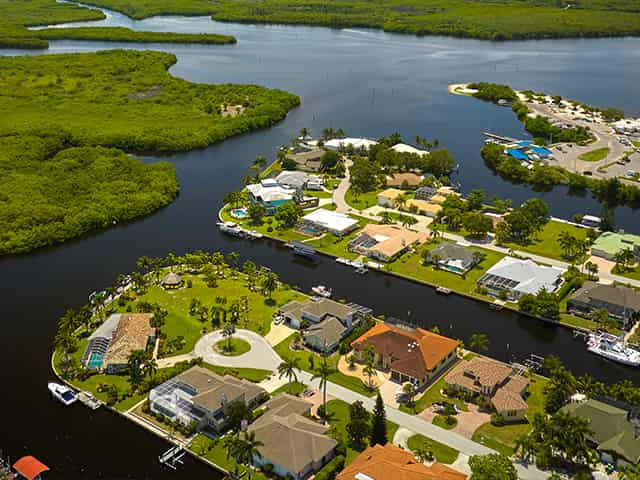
{"x": 440, "y": 421}
{"x": 339, "y": 417}
{"x": 232, "y": 347}
{"x": 410, "y": 265}
{"x": 318, "y": 193}
{"x": 362, "y": 201}
{"x": 334, "y": 245}
{"x": 304, "y": 357}
{"x": 545, "y": 243}
{"x": 214, "y": 451}
{"x": 177, "y": 302}
{"x": 633, "y": 273}
{"x": 443, "y": 453}
{"x": 269, "y": 227}
{"x": 503, "y": 438}
{"x": 296, "y": 389}
{"x": 595, "y": 155}
{"x": 433, "y": 395}
{"x": 255, "y": 375}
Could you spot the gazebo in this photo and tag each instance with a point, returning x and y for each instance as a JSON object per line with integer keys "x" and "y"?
{"x": 30, "y": 468}
{"x": 171, "y": 280}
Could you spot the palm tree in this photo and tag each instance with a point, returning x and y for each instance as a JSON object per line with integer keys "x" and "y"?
{"x": 144, "y": 263}
{"x": 369, "y": 370}
{"x": 567, "y": 243}
{"x": 233, "y": 450}
{"x": 288, "y": 369}
{"x": 150, "y": 368}
{"x": 323, "y": 373}
{"x": 592, "y": 269}
{"x": 135, "y": 359}
{"x": 250, "y": 449}
{"x": 270, "y": 283}
{"x": 304, "y": 132}
{"x": 479, "y": 342}
{"x": 424, "y": 454}
{"x": 227, "y": 332}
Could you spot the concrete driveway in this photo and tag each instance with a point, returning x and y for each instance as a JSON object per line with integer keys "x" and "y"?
{"x": 261, "y": 354}
{"x": 468, "y": 422}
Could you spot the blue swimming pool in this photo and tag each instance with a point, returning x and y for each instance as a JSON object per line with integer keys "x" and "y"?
{"x": 239, "y": 213}
{"x": 95, "y": 360}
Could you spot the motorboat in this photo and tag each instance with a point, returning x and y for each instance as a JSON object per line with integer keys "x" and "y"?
{"x": 63, "y": 393}
{"x": 322, "y": 291}
{"x": 613, "y": 348}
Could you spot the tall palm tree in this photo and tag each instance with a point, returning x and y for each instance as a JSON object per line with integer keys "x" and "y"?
{"x": 233, "y": 449}
{"x": 250, "y": 446}
{"x": 150, "y": 368}
{"x": 479, "y": 342}
{"x": 288, "y": 369}
{"x": 323, "y": 373}
{"x": 227, "y": 332}
{"x": 369, "y": 370}
{"x": 135, "y": 360}
{"x": 270, "y": 283}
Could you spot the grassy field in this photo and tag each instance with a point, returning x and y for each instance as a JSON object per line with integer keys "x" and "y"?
{"x": 545, "y": 243}
{"x": 339, "y": 417}
{"x": 362, "y": 201}
{"x": 507, "y": 20}
{"x": 310, "y": 361}
{"x": 122, "y": 34}
{"x": 503, "y": 438}
{"x": 443, "y": 453}
{"x": 177, "y": 302}
{"x": 232, "y": 347}
{"x": 595, "y": 155}
{"x": 410, "y": 265}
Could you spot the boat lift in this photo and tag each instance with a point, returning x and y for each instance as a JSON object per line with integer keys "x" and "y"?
{"x": 173, "y": 457}
{"x": 534, "y": 362}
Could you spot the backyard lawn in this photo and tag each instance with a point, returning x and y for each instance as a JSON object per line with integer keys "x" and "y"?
{"x": 339, "y": 417}
{"x": 545, "y": 243}
{"x": 503, "y": 438}
{"x": 334, "y": 245}
{"x": 309, "y": 362}
{"x": 362, "y": 201}
{"x": 215, "y": 452}
{"x": 443, "y": 453}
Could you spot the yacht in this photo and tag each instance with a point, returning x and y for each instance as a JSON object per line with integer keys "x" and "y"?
{"x": 613, "y": 348}
{"x": 62, "y": 393}
{"x": 322, "y": 291}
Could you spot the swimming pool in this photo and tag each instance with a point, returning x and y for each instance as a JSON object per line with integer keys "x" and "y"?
{"x": 309, "y": 231}
{"x": 95, "y": 360}
{"x": 239, "y": 213}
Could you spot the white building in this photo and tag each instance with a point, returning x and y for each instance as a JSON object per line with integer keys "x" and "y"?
{"x": 514, "y": 278}
{"x": 356, "y": 143}
{"x": 299, "y": 180}
{"x": 329, "y": 221}
{"x": 270, "y": 194}
{"x": 404, "y": 148}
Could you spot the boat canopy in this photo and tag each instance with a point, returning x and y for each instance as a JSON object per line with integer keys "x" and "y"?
{"x": 30, "y": 467}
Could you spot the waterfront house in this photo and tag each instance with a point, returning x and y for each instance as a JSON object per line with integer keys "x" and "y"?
{"x": 325, "y": 336}
{"x": 323, "y": 220}
{"x": 270, "y": 194}
{"x": 295, "y": 445}
{"x": 358, "y": 144}
{"x": 424, "y": 207}
{"x": 495, "y": 380}
{"x": 385, "y": 242}
{"x": 425, "y": 192}
{"x": 610, "y": 243}
{"x": 171, "y": 280}
{"x": 411, "y": 355}
{"x": 110, "y": 344}
{"x": 622, "y": 303}
{"x": 616, "y": 432}
{"x": 295, "y": 180}
{"x": 307, "y": 161}
{"x": 514, "y": 277}
{"x": 453, "y": 257}
{"x": 202, "y": 396}
{"x": 387, "y": 198}
{"x": 394, "y": 463}
{"x": 404, "y": 148}
{"x": 403, "y": 180}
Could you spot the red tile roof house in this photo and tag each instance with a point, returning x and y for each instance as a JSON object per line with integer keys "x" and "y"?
{"x": 411, "y": 355}
{"x": 494, "y": 380}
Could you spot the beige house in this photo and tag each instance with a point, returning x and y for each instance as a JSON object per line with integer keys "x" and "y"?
{"x": 387, "y": 198}
{"x": 133, "y": 332}
{"x": 424, "y": 207}
{"x": 385, "y": 242}
{"x": 295, "y": 445}
{"x": 494, "y": 380}
{"x": 404, "y": 180}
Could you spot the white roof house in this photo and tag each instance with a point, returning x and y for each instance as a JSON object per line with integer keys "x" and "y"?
{"x": 334, "y": 222}
{"x": 270, "y": 193}
{"x": 292, "y": 179}
{"x": 357, "y": 143}
{"x": 518, "y": 277}
{"x": 404, "y": 148}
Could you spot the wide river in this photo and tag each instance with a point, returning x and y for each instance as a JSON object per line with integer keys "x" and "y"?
{"x": 370, "y": 84}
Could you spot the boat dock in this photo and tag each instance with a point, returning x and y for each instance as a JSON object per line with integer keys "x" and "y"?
{"x": 235, "y": 230}
{"x": 499, "y": 138}
{"x": 359, "y": 266}
{"x": 444, "y": 290}
{"x": 172, "y": 458}
{"x": 89, "y": 400}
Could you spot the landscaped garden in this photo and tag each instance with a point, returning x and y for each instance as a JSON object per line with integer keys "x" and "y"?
{"x": 441, "y": 452}
{"x": 232, "y": 347}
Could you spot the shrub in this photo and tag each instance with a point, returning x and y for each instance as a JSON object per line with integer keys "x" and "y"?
{"x": 331, "y": 469}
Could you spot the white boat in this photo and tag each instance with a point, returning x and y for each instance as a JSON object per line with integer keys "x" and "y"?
{"x": 613, "y": 348}
{"x": 62, "y": 393}
{"x": 322, "y": 291}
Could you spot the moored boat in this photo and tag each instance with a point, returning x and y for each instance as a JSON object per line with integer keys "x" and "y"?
{"x": 613, "y": 348}
{"x": 62, "y": 393}
{"x": 322, "y": 291}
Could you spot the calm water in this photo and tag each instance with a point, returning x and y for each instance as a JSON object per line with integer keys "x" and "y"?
{"x": 368, "y": 83}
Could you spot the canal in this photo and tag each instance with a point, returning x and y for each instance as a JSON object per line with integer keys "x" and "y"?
{"x": 368, "y": 83}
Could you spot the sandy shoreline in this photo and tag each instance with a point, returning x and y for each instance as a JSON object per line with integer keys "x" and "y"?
{"x": 460, "y": 89}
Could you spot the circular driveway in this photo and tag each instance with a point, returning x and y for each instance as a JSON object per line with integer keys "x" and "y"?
{"x": 260, "y": 356}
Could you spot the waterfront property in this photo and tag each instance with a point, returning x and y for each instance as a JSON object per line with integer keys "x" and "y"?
{"x": 295, "y": 180}
{"x": 171, "y": 280}
{"x": 404, "y": 148}
{"x": 453, "y": 257}
{"x": 394, "y": 463}
{"x": 622, "y": 303}
{"x": 325, "y": 336}
{"x": 295, "y": 445}
{"x": 609, "y": 244}
{"x": 387, "y": 198}
{"x": 270, "y": 194}
{"x": 411, "y": 355}
{"x": 403, "y": 180}
{"x": 385, "y": 242}
{"x": 201, "y": 397}
{"x": 109, "y": 346}
{"x": 323, "y": 220}
{"x": 425, "y": 192}
{"x": 495, "y": 380}
{"x": 513, "y": 277}
{"x": 361, "y": 144}
{"x": 616, "y": 432}
{"x": 308, "y": 160}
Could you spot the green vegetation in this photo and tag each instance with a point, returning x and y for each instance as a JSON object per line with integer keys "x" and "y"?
{"x": 433, "y": 395}
{"x": 443, "y": 453}
{"x": 493, "y": 92}
{"x": 122, "y": 34}
{"x": 309, "y": 362}
{"x": 334, "y": 245}
{"x": 232, "y": 347}
{"x": 445, "y": 421}
{"x": 255, "y": 375}
{"x": 215, "y": 451}
{"x": 296, "y": 389}
{"x": 509, "y": 20}
{"x": 49, "y": 194}
{"x": 595, "y": 155}
{"x": 546, "y": 241}
{"x": 361, "y": 201}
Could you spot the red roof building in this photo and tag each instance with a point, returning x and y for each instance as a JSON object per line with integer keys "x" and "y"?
{"x": 30, "y": 467}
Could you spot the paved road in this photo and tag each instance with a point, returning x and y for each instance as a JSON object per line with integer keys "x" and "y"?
{"x": 341, "y": 190}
